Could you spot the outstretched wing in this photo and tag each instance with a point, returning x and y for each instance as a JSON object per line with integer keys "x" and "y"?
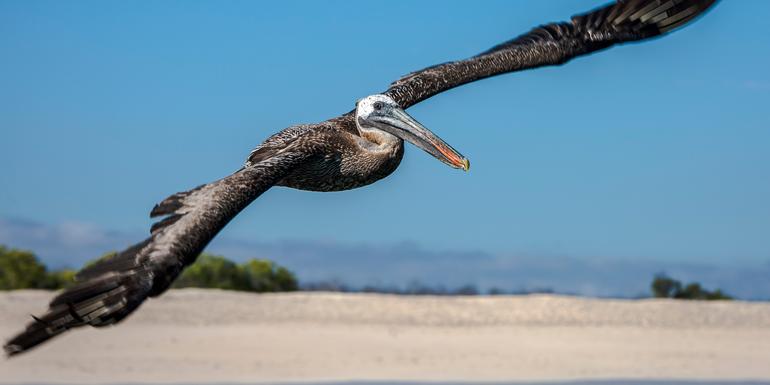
{"x": 111, "y": 289}
{"x": 553, "y": 44}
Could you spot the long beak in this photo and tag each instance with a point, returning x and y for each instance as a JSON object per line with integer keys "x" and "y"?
{"x": 399, "y": 123}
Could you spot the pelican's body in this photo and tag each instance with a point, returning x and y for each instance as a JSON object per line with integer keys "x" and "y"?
{"x": 349, "y": 161}
{"x": 353, "y": 150}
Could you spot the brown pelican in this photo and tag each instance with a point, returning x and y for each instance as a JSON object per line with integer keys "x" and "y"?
{"x": 349, "y": 151}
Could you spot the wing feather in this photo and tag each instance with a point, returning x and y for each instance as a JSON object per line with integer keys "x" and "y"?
{"x": 553, "y": 44}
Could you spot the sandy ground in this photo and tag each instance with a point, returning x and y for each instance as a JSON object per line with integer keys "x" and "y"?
{"x": 208, "y": 336}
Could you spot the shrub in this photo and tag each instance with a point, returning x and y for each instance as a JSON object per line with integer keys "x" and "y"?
{"x": 58, "y": 279}
{"x": 212, "y": 271}
{"x": 258, "y": 275}
{"x": 665, "y": 287}
{"x": 20, "y": 269}
{"x": 266, "y": 276}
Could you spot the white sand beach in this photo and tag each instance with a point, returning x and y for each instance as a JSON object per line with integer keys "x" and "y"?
{"x": 209, "y": 336}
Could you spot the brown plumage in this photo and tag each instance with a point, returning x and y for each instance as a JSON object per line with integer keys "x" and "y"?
{"x": 337, "y": 154}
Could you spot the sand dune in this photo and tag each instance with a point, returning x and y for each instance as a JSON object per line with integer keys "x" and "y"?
{"x": 207, "y": 336}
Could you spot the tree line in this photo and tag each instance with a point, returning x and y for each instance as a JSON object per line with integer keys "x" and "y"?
{"x": 21, "y": 269}
{"x": 416, "y": 288}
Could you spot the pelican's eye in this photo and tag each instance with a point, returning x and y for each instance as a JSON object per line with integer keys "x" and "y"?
{"x": 377, "y": 106}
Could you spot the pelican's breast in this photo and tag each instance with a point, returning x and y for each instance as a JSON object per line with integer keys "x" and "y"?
{"x": 349, "y": 161}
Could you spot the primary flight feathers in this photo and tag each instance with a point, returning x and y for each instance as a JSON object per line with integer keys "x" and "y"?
{"x": 341, "y": 153}
{"x": 553, "y": 44}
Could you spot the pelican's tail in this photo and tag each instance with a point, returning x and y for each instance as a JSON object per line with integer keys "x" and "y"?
{"x": 97, "y": 302}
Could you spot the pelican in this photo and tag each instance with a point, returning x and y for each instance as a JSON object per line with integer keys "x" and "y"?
{"x": 353, "y": 150}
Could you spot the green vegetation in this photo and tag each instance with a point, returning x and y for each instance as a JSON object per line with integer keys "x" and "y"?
{"x": 266, "y": 276}
{"x": 258, "y": 275}
{"x": 59, "y": 279}
{"x": 665, "y": 287}
{"x": 20, "y": 269}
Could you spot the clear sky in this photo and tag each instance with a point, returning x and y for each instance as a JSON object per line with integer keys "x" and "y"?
{"x": 659, "y": 150}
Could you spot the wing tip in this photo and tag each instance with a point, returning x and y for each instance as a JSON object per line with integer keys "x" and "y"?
{"x": 36, "y": 332}
{"x": 660, "y": 17}
{"x": 11, "y": 350}
{"x": 100, "y": 302}
{"x": 632, "y": 20}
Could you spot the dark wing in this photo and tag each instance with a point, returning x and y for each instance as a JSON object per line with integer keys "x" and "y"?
{"x": 111, "y": 289}
{"x": 553, "y": 44}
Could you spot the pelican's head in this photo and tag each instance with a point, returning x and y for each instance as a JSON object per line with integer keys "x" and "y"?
{"x": 381, "y": 112}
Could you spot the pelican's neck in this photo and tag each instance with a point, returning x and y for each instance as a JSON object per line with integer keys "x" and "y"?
{"x": 379, "y": 138}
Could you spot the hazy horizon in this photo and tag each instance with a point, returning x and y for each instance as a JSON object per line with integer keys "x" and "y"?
{"x": 401, "y": 264}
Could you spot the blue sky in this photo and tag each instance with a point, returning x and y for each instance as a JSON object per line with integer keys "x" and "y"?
{"x": 647, "y": 152}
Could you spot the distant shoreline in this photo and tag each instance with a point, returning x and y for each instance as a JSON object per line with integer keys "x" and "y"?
{"x": 196, "y": 336}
